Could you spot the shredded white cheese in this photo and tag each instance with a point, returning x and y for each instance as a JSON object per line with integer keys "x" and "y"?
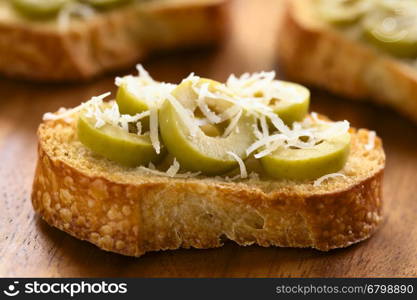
{"x": 201, "y": 102}
{"x": 262, "y": 88}
{"x": 143, "y": 74}
{"x": 172, "y": 171}
{"x": 186, "y": 115}
{"x": 153, "y": 129}
{"x": 316, "y": 118}
{"x": 265, "y": 141}
{"x": 320, "y": 180}
{"x": 233, "y": 178}
{"x": 264, "y": 126}
{"x": 242, "y": 167}
{"x": 66, "y": 114}
{"x": 371, "y": 141}
{"x": 233, "y": 124}
{"x": 257, "y": 133}
{"x": 252, "y": 175}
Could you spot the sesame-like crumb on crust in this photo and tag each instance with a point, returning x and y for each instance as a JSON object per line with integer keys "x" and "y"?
{"x": 150, "y": 214}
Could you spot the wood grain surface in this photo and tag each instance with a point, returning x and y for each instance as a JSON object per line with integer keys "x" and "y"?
{"x": 29, "y": 247}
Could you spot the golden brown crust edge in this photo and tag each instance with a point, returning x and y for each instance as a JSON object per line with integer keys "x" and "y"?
{"x": 315, "y": 54}
{"x": 109, "y": 42}
{"x": 132, "y": 219}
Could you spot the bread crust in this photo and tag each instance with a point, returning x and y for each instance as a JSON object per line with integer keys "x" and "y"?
{"x": 109, "y": 41}
{"x": 312, "y": 52}
{"x": 156, "y": 213}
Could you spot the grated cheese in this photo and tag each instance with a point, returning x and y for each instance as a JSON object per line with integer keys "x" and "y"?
{"x": 185, "y": 115}
{"x": 257, "y": 133}
{"x": 143, "y": 74}
{"x": 242, "y": 167}
{"x": 233, "y": 124}
{"x": 264, "y": 126}
{"x": 171, "y": 172}
{"x": 201, "y": 102}
{"x": 153, "y": 129}
{"x": 265, "y": 141}
{"x": 66, "y": 114}
{"x": 320, "y": 180}
{"x": 263, "y": 87}
{"x": 173, "y": 169}
{"x": 230, "y": 112}
{"x": 252, "y": 175}
{"x": 316, "y": 118}
{"x": 233, "y": 178}
{"x": 139, "y": 128}
{"x": 371, "y": 141}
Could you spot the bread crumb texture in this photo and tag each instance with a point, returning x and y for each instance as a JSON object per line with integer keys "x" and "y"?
{"x": 127, "y": 211}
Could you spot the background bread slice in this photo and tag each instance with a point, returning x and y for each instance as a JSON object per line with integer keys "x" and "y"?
{"x": 131, "y": 212}
{"x": 312, "y": 52}
{"x": 106, "y": 42}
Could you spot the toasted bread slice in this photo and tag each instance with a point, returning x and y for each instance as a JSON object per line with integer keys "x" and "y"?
{"x": 129, "y": 211}
{"x": 44, "y": 51}
{"x": 312, "y": 52}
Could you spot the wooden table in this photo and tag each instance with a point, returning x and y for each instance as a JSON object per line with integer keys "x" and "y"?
{"x": 29, "y": 247}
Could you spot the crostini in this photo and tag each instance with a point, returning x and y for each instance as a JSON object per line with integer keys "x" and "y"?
{"x": 360, "y": 49}
{"x": 167, "y": 166}
{"x": 75, "y": 40}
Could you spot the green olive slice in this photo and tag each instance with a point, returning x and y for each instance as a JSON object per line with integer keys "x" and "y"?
{"x": 131, "y": 104}
{"x": 202, "y": 152}
{"x": 128, "y": 102}
{"x": 115, "y": 144}
{"x": 293, "y": 103}
{"x": 393, "y": 31}
{"x": 327, "y": 157}
{"x": 39, "y": 8}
